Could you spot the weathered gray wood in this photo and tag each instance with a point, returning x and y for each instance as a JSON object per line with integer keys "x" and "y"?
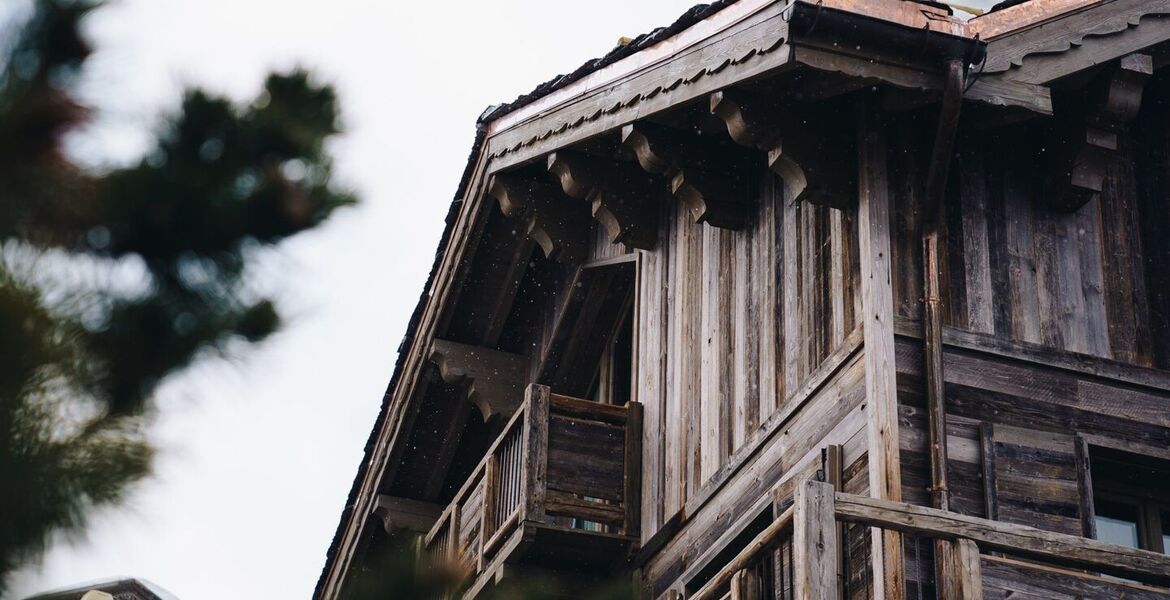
{"x": 406, "y": 513}
{"x": 1040, "y": 355}
{"x": 749, "y": 48}
{"x": 1048, "y": 546}
{"x": 632, "y": 493}
{"x": 765, "y": 539}
{"x": 536, "y": 451}
{"x": 814, "y": 542}
{"x": 745, "y": 585}
{"x": 968, "y": 578}
{"x": 885, "y": 477}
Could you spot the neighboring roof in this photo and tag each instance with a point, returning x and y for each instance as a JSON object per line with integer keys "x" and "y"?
{"x": 121, "y": 588}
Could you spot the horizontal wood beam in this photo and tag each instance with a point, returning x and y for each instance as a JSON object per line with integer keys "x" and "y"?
{"x": 1021, "y": 540}
{"x": 770, "y": 536}
{"x": 406, "y": 513}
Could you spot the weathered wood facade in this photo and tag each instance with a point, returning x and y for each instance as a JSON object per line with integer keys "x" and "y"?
{"x": 804, "y": 300}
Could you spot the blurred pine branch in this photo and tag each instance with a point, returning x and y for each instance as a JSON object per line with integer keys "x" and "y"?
{"x": 80, "y": 362}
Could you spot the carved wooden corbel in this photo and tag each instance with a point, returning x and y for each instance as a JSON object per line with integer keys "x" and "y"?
{"x": 812, "y": 155}
{"x": 494, "y": 380}
{"x": 707, "y": 186}
{"x": 1085, "y": 141}
{"x": 622, "y": 198}
{"x": 558, "y": 224}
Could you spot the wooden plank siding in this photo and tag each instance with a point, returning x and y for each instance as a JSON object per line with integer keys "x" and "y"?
{"x": 1015, "y": 267}
{"x": 731, "y": 324}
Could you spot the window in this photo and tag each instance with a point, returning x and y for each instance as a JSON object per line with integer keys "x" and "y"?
{"x": 1131, "y": 497}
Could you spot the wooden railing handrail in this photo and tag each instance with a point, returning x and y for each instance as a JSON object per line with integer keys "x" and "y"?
{"x": 1049, "y": 546}
{"x": 817, "y": 509}
{"x": 763, "y": 540}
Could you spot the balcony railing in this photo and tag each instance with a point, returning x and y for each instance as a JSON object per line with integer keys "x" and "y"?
{"x": 562, "y": 465}
{"x": 805, "y": 538}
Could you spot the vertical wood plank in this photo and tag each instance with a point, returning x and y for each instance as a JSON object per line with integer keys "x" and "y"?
{"x": 977, "y": 270}
{"x": 968, "y": 575}
{"x": 536, "y": 451}
{"x": 711, "y": 401}
{"x": 814, "y": 541}
{"x": 987, "y": 458}
{"x": 765, "y": 279}
{"x": 745, "y": 585}
{"x": 1023, "y": 297}
{"x": 788, "y": 262}
{"x": 1085, "y": 488}
{"x": 632, "y": 478}
{"x": 838, "y": 276}
{"x": 885, "y": 476}
{"x": 1088, "y": 246}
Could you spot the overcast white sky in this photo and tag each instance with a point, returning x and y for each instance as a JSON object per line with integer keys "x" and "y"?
{"x": 258, "y": 457}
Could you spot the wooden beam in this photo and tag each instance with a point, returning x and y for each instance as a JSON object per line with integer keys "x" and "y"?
{"x": 877, "y": 301}
{"x": 632, "y": 476}
{"x": 535, "y": 433}
{"x": 1086, "y": 141}
{"x": 405, "y": 513}
{"x": 813, "y": 154}
{"x": 623, "y": 199}
{"x": 557, "y": 223}
{"x": 494, "y": 380}
{"x": 713, "y": 189}
{"x": 968, "y": 576}
{"x": 764, "y": 540}
{"x": 1010, "y": 538}
{"x": 814, "y": 542}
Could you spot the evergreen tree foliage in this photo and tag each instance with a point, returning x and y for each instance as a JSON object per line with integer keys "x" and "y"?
{"x": 83, "y": 346}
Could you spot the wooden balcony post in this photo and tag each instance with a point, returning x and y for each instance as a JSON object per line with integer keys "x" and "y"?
{"x": 536, "y": 399}
{"x": 968, "y": 576}
{"x": 745, "y": 585}
{"x": 814, "y": 542}
{"x": 632, "y": 477}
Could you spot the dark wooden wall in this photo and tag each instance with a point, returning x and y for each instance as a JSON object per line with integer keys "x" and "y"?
{"x": 1086, "y": 281}
{"x": 1020, "y": 431}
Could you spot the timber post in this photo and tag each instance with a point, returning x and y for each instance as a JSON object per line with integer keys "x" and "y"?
{"x": 536, "y": 397}
{"x": 814, "y": 542}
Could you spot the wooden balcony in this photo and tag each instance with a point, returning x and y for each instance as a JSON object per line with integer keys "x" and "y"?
{"x": 559, "y": 488}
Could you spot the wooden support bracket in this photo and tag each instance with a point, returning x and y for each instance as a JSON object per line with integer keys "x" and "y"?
{"x": 405, "y": 513}
{"x": 1085, "y": 140}
{"x": 713, "y": 189}
{"x": 494, "y": 380}
{"x": 557, "y": 223}
{"x": 814, "y": 153}
{"x": 622, "y": 198}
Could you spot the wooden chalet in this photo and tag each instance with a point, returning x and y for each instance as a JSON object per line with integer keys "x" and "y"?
{"x": 804, "y": 299}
